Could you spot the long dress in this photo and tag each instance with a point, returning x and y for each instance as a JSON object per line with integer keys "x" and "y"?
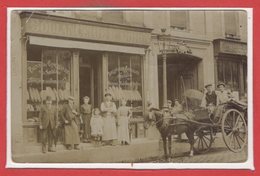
{"x": 71, "y": 136}
{"x": 85, "y": 111}
{"x": 96, "y": 124}
{"x": 109, "y": 129}
{"x": 123, "y": 121}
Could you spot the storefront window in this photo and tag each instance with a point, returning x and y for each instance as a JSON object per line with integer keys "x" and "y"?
{"x": 125, "y": 81}
{"x": 48, "y": 74}
{"x": 228, "y": 72}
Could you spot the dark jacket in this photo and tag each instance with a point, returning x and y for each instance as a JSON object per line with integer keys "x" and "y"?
{"x": 48, "y": 116}
{"x": 211, "y": 98}
{"x": 68, "y": 115}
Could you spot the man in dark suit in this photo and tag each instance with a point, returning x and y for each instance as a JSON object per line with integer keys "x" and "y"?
{"x": 48, "y": 123}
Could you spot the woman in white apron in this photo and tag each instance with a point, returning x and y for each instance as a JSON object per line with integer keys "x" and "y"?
{"x": 108, "y": 109}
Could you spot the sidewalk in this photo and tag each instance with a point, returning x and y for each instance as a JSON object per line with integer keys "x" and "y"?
{"x": 137, "y": 150}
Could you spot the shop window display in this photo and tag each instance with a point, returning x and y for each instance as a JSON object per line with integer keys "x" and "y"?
{"x": 125, "y": 81}
{"x": 48, "y": 74}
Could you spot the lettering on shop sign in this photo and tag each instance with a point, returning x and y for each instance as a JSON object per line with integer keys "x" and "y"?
{"x": 124, "y": 73}
{"x": 82, "y": 31}
{"x": 233, "y": 48}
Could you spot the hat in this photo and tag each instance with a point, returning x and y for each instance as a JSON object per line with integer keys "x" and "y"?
{"x": 207, "y": 85}
{"x": 86, "y": 97}
{"x": 221, "y": 83}
{"x": 71, "y": 98}
{"x": 169, "y": 101}
{"x": 108, "y": 94}
{"x": 48, "y": 98}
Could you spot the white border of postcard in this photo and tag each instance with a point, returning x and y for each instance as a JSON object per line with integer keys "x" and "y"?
{"x": 249, "y": 164}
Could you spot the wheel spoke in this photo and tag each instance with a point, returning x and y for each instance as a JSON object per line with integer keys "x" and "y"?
{"x": 238, "y": 141}
{"x": 228, "y": 123}
{"x": 230, "y": 139}
{"x": 205, "y": 142}
{"x": 241, "y": 138}
{"x": 237, "y": 120}
{"x": 207, "y": 138}
{"x": 202, "y": 143}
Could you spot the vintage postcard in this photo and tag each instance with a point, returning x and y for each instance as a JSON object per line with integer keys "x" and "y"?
{"x": 130, "y": 88}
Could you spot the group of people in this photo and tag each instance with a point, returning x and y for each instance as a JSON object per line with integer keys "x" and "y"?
{"x": 214, "y": 100}
{"x": 106, "y": 125}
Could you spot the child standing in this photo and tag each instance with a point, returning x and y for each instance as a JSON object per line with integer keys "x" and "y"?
{"x": 123, "y": 115}
{"x": 85, "y": 111}
{"x": 97, "y": 124}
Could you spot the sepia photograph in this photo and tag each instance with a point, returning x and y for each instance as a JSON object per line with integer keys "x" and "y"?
{"x": 130, "y": 86}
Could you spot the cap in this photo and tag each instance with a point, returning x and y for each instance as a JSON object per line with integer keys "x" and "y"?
{"x": 207, "y": 85}
{"x": 221, "y": 83}
{"x": 86, "y": 97}
{"x": 169, "y": 101}
{"x": 108, "y": 94}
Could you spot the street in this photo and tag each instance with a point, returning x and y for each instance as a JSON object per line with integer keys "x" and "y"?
{"x": 218, "y": 153}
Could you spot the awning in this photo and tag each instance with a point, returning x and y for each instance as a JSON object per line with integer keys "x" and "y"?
{"x": 62, "y": 43}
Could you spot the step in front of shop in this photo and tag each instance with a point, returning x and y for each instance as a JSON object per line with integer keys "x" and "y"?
{"x": 138, "y": 150}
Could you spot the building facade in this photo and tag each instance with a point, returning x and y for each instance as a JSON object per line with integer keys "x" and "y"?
{"x": 143, "y": 56}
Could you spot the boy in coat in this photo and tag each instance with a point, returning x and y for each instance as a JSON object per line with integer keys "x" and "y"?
{"x": 48, "y": 123}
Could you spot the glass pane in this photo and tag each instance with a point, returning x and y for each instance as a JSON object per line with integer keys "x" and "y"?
{"x": 136, "y": 85}
{"x": 220, "y": 71}
{"x": 227, "y": 71}
{"x": 235, "y": 75}
{"x": 49, "y": 61}
{"x": 64, "y": 76}
{"x": 33, "y": 90}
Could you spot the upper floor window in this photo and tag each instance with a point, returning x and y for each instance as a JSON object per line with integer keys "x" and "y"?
{"x": 179, "y": 20}
{"x": 231, "y": 24}
{"x": 113, "y": 16}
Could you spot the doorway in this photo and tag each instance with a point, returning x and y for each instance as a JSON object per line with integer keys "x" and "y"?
{"x": 90, "y": 77}
{"x": 182, "y": 73}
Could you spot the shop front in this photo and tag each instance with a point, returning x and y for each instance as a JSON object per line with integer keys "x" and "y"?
{"x": 64, "y": 57}
{"x": 231, "y": 65}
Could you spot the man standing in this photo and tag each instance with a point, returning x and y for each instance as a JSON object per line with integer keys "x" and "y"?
{"x": 48, "y": 123}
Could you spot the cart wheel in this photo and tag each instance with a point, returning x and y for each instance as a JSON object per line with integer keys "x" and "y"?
{"x": 203, "y": 139}
{"x": 234, "y": 130}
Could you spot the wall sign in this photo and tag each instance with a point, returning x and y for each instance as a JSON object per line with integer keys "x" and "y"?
{"x": 84, "y": 31}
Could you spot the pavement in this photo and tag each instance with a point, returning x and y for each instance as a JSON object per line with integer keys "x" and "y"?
{"x": 218, "y": 153}
{"x": 140, "y": 150}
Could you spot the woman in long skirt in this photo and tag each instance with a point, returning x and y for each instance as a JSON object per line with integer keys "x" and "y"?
{"x": 108, "y": 109}
{"x": 123, "y": 115}
{"x": 71, "y": 136}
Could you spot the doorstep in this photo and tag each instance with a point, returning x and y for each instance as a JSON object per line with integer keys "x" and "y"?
{"x": 139, "y": 149}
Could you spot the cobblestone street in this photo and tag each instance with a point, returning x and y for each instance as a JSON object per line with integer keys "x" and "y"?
{"x": 219, "y": 153}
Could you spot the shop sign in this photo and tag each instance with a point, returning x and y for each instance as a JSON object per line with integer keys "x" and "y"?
{"x": 84, "y": 31}
{"x": 231, "y": 47}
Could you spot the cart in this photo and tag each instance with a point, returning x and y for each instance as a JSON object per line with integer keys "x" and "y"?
{"x": 232, "y": 124}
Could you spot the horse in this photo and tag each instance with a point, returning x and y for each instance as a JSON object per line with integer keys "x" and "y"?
{"x": 169, "y": 127}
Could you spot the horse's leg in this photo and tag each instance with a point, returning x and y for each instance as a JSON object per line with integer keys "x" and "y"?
{"x": 165, "y": 146}
{"x": 190, "y": 136}
{"x": 170, "y": 145}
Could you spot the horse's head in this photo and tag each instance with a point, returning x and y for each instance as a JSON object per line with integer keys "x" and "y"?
{"x": 151, "y": 117}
